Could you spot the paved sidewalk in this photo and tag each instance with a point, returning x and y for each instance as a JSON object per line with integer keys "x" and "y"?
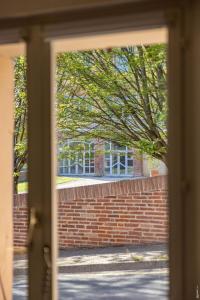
{"x": 112, "y": 255}
{"x": 105, "y": 259}
{"x": 123, "y": 285}
{"x": 118, "y": 273}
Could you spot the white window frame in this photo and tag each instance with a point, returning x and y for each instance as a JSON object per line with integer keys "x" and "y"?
{"x": 42, "y": 203}
{"x": 66, "y": 162}
{"x": 118, "y": 153}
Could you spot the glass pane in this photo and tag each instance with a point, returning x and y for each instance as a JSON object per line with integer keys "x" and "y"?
{"x": 114, "y": 159}
{"x": 130, "y": 170}
{"x": 73, "y": 169}
{"x": 87, "y": 162}
{"x": 122, "y": 169}
{"x": 130, "y": 163}
{"x": 107, "y": 163}
{"x": 87, "y": 169}
{"x": 114, "y": 170}
{"x": 80, "y": 169}
{"x": 122, "y": 159}
{"x": 92, "y": 170}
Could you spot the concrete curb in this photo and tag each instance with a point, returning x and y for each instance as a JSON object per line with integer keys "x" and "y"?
{"x": 113, "y": 267}
{"x": 155, "y": 264}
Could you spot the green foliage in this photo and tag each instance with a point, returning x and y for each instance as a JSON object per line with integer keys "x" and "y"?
{"x": 20, "y": 113}
{"x": 115, "y": 94}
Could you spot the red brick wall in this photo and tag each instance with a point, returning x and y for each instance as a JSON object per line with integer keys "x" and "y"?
{"x": 126, "y": 212}
{"x": 20, "y": 219}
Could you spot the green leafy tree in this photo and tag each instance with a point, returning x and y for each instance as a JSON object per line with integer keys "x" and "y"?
{"x": 116, "y": 94}
{"x": 20, "y": 122}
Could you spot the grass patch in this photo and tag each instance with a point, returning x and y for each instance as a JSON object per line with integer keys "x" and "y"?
{"x": 137, "y": 258}
{"x": 62, "y": 179}
{"x": 162, "y": 257}
{"x": 23, "y": 186}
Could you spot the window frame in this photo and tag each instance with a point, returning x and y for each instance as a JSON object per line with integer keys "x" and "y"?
{"x": 183, "y": 23}
{"x": 65, "y": 162}
{"x": 118, "y": 152}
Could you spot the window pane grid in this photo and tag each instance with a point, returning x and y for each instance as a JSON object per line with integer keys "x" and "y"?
{"x": 118, "y": 160}
{"x": 80, "y": 159}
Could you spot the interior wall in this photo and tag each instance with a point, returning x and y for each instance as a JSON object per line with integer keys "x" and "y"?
{"x": 6, "y": 167}
{"x": 12, "y": 8}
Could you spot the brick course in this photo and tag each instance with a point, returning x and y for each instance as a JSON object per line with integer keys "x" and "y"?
{"x": 117, "y": 213}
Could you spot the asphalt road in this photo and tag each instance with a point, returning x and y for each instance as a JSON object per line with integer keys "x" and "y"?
{"x": 126, "y": 285}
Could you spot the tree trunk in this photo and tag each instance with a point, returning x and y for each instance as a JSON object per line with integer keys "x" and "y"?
{"x": 15, "y": 184}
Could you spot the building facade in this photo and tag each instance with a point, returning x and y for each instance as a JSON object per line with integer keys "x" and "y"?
{"x": 98, "y": 158}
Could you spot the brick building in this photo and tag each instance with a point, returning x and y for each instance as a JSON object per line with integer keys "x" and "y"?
{"x": 99, "y": 158}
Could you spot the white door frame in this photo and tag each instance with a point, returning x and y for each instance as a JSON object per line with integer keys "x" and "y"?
{"x": 42, "y": 203}
{"x": 183, "y": 18}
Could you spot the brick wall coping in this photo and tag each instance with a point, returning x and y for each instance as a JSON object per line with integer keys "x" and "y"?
{"x": 106, "y": 189}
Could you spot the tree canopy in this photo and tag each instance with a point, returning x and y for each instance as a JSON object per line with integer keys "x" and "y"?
{"x": 20, "y": 122}
{"x": 116, "y": 94}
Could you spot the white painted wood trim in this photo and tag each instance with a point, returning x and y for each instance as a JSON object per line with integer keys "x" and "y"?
{"x": 6, "y": 185}
{"x": 41, "y": 166}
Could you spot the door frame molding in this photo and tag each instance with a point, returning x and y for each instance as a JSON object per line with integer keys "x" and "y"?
{"x": 182, "y": 19}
